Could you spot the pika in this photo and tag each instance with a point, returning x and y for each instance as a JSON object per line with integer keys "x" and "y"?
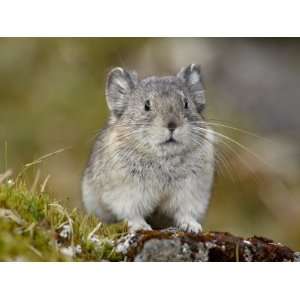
{"x": 153, "y": 164}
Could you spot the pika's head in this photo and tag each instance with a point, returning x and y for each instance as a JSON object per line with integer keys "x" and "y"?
{"x": 158, "y": 114}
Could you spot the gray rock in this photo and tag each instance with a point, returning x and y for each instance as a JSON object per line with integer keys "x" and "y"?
{"x": 297, "y": 256}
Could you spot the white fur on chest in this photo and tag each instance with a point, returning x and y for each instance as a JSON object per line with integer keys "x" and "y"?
{"x": 180, "y": 188}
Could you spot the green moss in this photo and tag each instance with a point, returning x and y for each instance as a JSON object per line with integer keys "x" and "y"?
{"x": 34, "y": 227}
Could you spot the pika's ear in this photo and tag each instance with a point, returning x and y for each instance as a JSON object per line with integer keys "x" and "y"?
{"x": 119, "y": 85}
{"x": 192, "y": 78}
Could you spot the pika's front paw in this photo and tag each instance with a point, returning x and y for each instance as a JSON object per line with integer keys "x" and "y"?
{"x": 138, "y": 225}
{"x": 191, "y": 226}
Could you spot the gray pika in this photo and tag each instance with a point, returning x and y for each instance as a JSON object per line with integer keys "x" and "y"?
{"x": 153, "y": 164}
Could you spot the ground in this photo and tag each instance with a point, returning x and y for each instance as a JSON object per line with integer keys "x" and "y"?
{"x": 34, "y": 227}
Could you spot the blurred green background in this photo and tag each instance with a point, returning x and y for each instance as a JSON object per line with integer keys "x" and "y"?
{"x": 52, "y": 96}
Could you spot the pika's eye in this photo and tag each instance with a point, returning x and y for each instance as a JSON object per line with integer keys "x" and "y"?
{"x": 147, "y": 105}
{"x": 186, "y": 104}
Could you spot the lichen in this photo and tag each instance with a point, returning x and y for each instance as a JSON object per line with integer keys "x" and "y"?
{"x": 213, "y": 246}
{"x": 297, "y": 256}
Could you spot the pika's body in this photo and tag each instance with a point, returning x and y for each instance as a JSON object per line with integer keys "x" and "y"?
{"x": 155, "y": 159}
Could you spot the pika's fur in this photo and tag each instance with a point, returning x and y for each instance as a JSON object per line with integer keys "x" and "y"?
{"x": 155, "y": 159}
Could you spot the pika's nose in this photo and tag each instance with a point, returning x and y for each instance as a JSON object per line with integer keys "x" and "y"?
{"x": 172, "y": 126}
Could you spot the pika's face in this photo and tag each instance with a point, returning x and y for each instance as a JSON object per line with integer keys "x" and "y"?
{"x": 159, "y": 115}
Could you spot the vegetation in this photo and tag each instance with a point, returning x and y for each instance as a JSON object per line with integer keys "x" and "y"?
{"x": 35, "y": 227}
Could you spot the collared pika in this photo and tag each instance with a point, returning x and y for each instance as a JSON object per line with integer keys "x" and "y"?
{"x": 153, "y": 164}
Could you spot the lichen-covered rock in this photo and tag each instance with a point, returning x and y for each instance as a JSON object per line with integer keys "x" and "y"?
{"x": 170, "y": 250}
{"x": 170, "y": 245}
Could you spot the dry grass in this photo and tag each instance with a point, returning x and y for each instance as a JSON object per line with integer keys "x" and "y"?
{"x": 35, "y": 227}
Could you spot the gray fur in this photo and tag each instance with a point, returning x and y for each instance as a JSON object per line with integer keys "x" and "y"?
{"x": 136, "y": 170}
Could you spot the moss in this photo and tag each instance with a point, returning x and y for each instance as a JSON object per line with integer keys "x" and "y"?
{"x": 34, "y": 227}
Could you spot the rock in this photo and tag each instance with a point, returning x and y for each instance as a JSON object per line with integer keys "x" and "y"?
{"x": 297, "y": 256}
{"x": 170, "y": 245}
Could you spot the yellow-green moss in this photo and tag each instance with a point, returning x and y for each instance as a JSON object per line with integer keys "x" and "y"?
{"x": 31, "y": 228}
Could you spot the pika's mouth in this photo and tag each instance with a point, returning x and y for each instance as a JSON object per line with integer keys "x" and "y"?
{"x": 171, "y": 140}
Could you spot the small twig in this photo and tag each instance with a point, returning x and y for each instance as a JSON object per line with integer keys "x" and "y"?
{"x": 5, "y": 155}
{"x": 237, "y": 251}
{"x": 70, "y": 221}
{"x": 34, "y": 250}
{"x": 43, "y": 186}
{"x": 44, "y": 157}
{"x": 36, "y": 180}
{"x": 94, "y": 230}
{"x": 40, "y": 160}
